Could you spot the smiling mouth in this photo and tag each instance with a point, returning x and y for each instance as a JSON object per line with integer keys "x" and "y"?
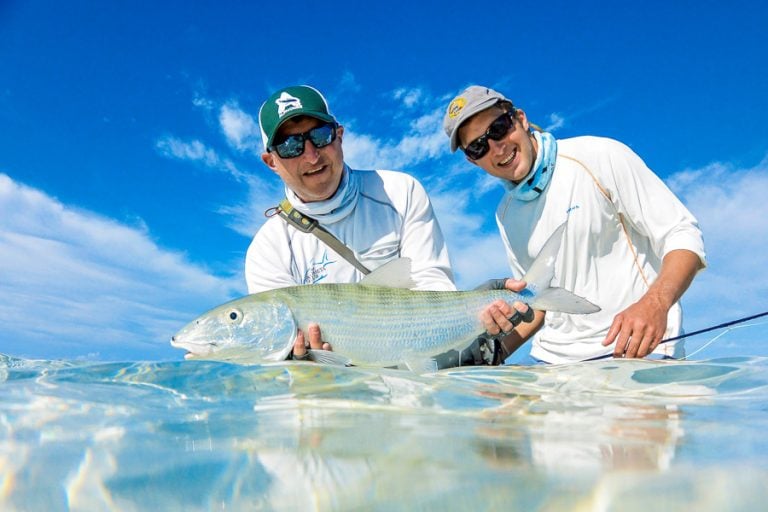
{"x": 509, "y": 159}
{"x": 315, "y": 171}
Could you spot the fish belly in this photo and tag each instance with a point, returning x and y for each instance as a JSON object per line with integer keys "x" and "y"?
{"x": 382, "y": 326}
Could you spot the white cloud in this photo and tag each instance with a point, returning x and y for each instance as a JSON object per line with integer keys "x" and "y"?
{"x": 73, "y": 283}
{"x": 409, "y": 97}
{"x": 424, "y": 140}
{"x": 555, "y": 121}
{"x": 202, "y": 102}
{"x": 476, "y": 251}
{"x": 730, "y": 206}
{"x": 247, "y": 217}
{"x": 242, "y": 133}
{"x": 196, "y": 151}
{"x": 240, "y": 128}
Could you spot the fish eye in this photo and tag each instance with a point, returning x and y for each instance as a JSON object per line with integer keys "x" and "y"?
{"x": 234, "y": 315}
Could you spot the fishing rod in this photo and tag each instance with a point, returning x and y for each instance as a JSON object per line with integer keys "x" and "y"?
{"x": 686, "y": 335}
{"x": 714, "y": 327}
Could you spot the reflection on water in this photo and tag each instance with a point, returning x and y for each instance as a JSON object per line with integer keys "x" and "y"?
{"x": 609, "y": 435}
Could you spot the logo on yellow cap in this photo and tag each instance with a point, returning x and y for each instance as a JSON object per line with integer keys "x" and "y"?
{"x": 455, "y": 107}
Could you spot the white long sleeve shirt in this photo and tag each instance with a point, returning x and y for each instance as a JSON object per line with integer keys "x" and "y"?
{"x": 595, "y": 259}
{"x": 393, "y": 218}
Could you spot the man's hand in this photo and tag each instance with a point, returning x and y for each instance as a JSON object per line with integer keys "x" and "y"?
{"x": 500, "y": 317}
{"x": 639, "y": 329}
{"x": 315, "y": 342}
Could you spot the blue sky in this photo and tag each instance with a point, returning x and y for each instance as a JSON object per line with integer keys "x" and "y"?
{"x": 130, "y": 177}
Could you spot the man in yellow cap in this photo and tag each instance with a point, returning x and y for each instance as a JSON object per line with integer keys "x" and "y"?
{"x": 630, "y": 247}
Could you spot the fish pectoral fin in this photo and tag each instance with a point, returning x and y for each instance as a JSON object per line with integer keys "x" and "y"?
{"x": 328, "y": 357}
{"x": 560, "y": 299}
{"x": 542, "y": 270}
{"x": 421, "y": 365}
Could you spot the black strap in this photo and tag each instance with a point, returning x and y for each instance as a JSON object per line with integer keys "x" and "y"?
{"x": 309, "y": 225}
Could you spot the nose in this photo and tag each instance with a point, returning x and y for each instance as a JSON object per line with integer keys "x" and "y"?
{"x": 311, "y": 153}
{"x": 497, "y": 146}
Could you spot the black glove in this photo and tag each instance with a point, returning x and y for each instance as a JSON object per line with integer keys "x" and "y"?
{"x": 519, "y": 317}
{"x": 481, "y": 352}
{"x": 498, "y": 284}
{"x": 492, "y": 284}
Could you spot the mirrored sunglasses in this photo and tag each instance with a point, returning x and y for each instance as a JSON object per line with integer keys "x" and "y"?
{"x": 293, "y": 145}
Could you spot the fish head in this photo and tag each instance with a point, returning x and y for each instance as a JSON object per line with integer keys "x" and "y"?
{"x": 251, "y": 329}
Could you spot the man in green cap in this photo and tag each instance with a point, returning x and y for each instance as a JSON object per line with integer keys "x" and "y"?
{"x": 372, "y": 216}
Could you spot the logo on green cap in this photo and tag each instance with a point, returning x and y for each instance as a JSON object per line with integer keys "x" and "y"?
{"x": 286, "y": 102}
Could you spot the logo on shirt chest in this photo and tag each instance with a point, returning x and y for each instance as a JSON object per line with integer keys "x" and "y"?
{"x": 317, "y": 271}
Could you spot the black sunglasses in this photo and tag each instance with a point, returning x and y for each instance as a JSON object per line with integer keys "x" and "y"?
{"x": 293, "y": 145}
{"x": 500, "y": 126}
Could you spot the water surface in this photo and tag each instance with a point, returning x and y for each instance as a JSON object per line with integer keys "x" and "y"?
{"x": 606, "y": 435}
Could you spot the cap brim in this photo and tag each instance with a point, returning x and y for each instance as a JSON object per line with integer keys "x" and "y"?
{"x": 296, "y": 113}
{"x": 465, "y": 114}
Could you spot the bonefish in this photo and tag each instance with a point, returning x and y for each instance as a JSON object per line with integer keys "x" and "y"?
{"x": 376, "y": 322}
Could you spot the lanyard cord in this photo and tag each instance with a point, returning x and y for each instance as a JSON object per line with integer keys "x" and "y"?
{"x": 307, "y": 224}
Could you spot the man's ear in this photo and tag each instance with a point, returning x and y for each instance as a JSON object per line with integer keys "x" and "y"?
{"x": 520, "y": 115}
{"x": 269, "y": 160}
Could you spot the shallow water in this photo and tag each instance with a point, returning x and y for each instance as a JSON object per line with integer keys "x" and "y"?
{"x": 607, "y": 435}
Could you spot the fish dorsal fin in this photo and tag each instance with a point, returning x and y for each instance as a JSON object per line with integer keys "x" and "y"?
{"x": 542, "y": 270}
{"x": 392, "y": 274}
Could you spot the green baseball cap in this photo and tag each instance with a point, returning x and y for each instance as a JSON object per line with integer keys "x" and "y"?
{"x": 288, "y": 102}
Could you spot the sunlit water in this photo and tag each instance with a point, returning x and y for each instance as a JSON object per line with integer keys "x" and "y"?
{"x": 607, "y": 435}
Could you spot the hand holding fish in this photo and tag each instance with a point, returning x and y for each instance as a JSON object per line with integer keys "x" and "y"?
{"x": 499, "y": 316}
{"x": 316, "y": 342}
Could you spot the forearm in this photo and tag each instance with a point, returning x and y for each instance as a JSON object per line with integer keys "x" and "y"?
{"x": 677, "y": 272}
{"x": 520, "y": 334}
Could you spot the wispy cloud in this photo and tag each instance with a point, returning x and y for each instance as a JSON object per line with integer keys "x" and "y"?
{"x": 75, "y": 284}
{"x": 241, "y": 133}
{"x": 196, "y": 151}
{"x": 240, "y": 128}
{"x": 423, "y": 140}
{"x": 730, "y": 205}
{"x": 555, "y": 121}
{"x": 409, "y": 96}
{"x": 247, "y": 216}
{"x": 475, "y": 247}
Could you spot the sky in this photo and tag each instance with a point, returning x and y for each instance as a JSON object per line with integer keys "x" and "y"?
{"x": 131, "y": 182}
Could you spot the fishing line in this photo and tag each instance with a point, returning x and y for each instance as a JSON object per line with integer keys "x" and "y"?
{"x": 720, "y": 326}
{"x": 720, "y": 336}
{"x": 700, "y": 331}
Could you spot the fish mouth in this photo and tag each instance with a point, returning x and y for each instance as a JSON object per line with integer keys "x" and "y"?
{"x": 192, "y": 350}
